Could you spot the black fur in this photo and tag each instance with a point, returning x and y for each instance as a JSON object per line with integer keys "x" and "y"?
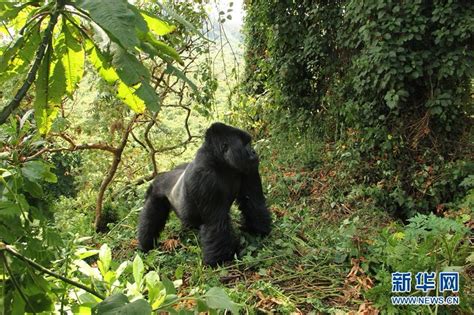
{"x": 201, "y": 193}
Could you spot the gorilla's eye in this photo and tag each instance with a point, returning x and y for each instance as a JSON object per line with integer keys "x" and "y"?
{"x": 224, "y": 147}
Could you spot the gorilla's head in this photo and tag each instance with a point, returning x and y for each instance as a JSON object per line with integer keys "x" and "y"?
{"x": 231, "y": 146}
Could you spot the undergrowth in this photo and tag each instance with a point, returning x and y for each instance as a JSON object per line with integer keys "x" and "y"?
{"x": 332, "y": 246}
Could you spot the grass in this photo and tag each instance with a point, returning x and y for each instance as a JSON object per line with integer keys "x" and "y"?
{"x": 303, "y": 265}
{"x": 315, "y": 259}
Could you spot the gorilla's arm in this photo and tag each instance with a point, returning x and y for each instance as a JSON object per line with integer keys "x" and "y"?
{"x": 218, "y": 241}
{"x": 256, "y": 218}
{"x": 211, "y": 192}
{"x": 156, "y": 210}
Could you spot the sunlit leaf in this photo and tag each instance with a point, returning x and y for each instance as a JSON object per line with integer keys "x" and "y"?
{"x": 138, "y": 270}
{"x": 156, "y": 289}
{"x": 87, "y": 270}
{"x": 9, "y": 10}
{"x": 16, "y": 59}
{"x": 44, "y": 114}
{"x": 83, "y": 253}
{"x": 57, "y": 79}
{"x": 128, "y": 96}
{"x": 105, "y": 257}
{"x": 100, "y": 63}
{"x": 163, "y": 48}
{"x": 158, "y": 26}
{"x": 119, "y": 304}
{"x": 73, "y": 61}
{"x": 115, "y": 17}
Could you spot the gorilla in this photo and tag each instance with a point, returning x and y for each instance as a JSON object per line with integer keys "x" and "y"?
{"x": 201, "y": 193}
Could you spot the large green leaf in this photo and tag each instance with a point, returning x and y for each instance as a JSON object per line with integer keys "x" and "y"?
{"x": 73, "y": 60}
{"x": 57, "y": 79}
{"x": 57, "y": 84}
{"x": 128, "y": 96}
{"x": 163, "y": 48}
{"x": 19, "y": 55}
{"x": 44, "y": 114}
{"x": 33, "y": 188}
{"x": 156, "y": 289}
{"x": 148, "y": 95}
{"x": 156, "y": 25}
{"x": 138, "y": 270}
{"x": 136, "y": 76}
{"x": 129, "y": 69}
{"x": 115, "y": 17}
{"x": 118, "y": 304}
{"x": 9, "y": 53}
{"x": 52, "y": 81}
{"x": 217, "y": 298}
{"x": 9, "y": 209}
{"x": 101, "y": 64}
{"x": 105, "y": 258}
{"x": 38, "y": 303}
{"x": 38, "y": 171}
{"x": 133, "y": 87}
{"x": 9, "y": 10}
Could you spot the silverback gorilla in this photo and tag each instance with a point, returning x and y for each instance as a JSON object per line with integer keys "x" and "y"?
{"x": 201, "y": 193}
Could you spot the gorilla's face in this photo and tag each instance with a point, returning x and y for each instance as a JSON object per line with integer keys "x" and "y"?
{"x": 240, "y": 155}
{"x": 232, "y": 147}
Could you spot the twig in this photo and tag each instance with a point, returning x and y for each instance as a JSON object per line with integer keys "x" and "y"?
{"x": 13, "y": 252}
{"x": 8, "y": 31}
{"x": 152, "y": 149}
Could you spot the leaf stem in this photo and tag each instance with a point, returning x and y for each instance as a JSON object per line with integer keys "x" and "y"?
{"x": 15, "y": 283}
{"x": 13, "y": 252}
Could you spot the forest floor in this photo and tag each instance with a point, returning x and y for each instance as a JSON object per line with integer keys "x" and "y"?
{"x": 303, "y": 265}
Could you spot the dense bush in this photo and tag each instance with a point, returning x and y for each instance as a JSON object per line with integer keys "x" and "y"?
{"x": 389, "y": 80}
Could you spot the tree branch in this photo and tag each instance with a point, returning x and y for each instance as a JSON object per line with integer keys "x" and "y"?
{"x": 34, "y": 68}
{"x": 110, "y": 175}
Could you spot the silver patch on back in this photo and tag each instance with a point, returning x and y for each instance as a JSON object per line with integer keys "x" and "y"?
{"x": 178, "y": 190}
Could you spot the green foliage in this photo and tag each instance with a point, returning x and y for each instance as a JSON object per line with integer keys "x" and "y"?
{"x": 139, "y": 294}
{"x": 110, "y": 35}
{"x": 24, "y": 215}
{"x": 427, "y": 243}
{"x": 392, "y": 90}
{"x": 292, "y": 50}
{"x": 65, "y": 168}
{"x": 145, "y": 293}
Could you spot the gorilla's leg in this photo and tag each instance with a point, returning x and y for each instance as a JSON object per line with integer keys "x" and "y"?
{"x": 152, "y": 220}
{"x": 256, "y": 218}
{"x": 218, "y": 240}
